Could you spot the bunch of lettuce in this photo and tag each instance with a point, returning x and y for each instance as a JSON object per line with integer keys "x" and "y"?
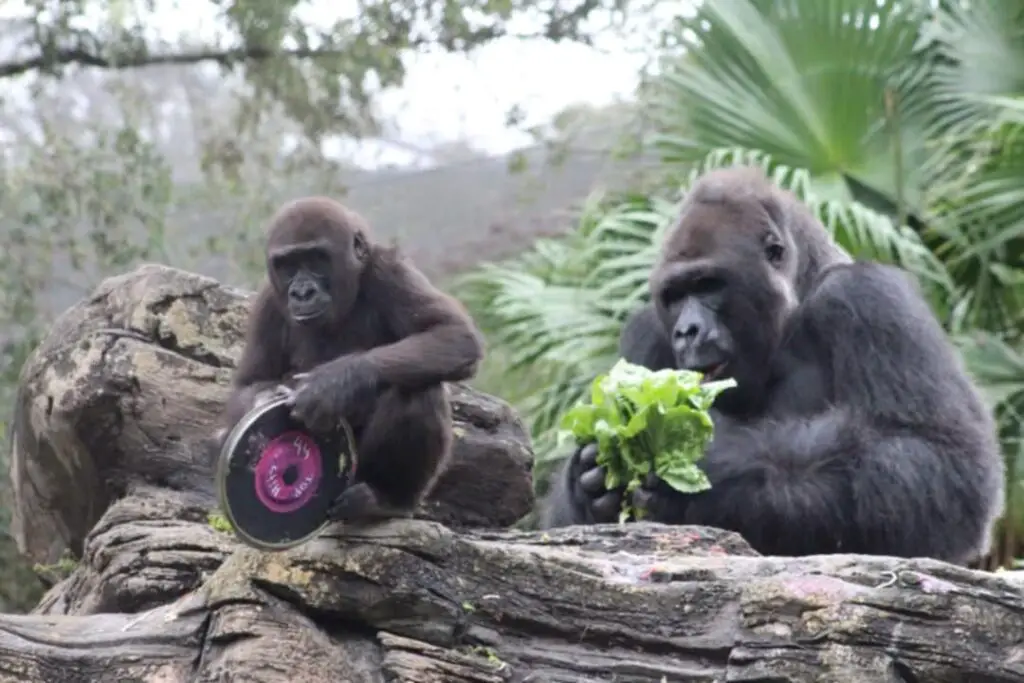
{"x": 643, "y": 420}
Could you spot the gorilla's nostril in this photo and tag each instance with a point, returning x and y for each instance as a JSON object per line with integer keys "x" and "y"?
{"x": 689, "y": 332}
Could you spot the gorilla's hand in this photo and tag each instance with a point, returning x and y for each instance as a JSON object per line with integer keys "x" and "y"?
{"x": 658, "y": 501}
{"x": 335, "y": 390}
{"x": 662, "y": 503}
{"x": 586, "y": 485}
{"x": 273, "y": 393}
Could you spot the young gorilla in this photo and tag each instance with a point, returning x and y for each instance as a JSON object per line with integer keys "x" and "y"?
{"x": 853, "y": 428}
{"x": 368, "y": 339}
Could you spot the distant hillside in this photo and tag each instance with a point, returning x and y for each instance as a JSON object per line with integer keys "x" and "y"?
{"x": 447, "y": 219}
{"x": 456, "y": 216}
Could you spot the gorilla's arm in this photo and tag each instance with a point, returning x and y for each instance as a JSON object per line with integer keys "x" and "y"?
{"x": 436, "y": 340}
{"x": 265, "y": 359}
{"x": 641, "y": 342}
{"x": 903, "y": 461}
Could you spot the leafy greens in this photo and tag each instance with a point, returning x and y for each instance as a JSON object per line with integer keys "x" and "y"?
{"x": 642, "y": 419}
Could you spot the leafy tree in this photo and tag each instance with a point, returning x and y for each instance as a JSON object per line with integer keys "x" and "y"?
{"x": 324, "y": 73}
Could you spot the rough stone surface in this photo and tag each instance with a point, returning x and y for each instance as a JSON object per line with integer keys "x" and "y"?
{"x": 158, "y": 595}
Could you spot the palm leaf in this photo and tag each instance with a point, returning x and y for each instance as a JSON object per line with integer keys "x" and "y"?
{"x": 997, "y": 366}
{"x": 805, "y": 81}
{"x": 975, "y": 100}
{"x": 974, "y": 54}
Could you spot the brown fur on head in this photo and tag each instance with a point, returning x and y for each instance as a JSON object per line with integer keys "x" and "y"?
{"x": 317, "y": 251}
{"x": 741, "y": 256}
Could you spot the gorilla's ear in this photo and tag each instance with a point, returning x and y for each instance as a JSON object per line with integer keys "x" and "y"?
{"x": 776, "y": 212}
{"x": 814, "y": 246}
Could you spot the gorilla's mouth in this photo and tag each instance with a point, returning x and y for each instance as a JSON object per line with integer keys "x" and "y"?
{"x": 305, "y": 314}
{"x": 712, "y": 372}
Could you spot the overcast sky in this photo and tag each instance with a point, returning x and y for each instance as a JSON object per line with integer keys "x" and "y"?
{"x": 449, "y": 97}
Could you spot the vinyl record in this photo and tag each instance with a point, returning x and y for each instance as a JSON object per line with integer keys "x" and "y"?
{"x": 276, "y": 480}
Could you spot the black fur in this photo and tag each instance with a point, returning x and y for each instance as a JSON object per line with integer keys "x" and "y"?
{"x": 855, "y": 427}
{"x": 365, "y": 336}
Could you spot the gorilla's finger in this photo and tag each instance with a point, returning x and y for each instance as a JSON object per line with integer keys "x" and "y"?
{"x": 651, "y": 481}
{"x": 588, "y": 456}
{"x": 606, "y": 508}
{"x": 301, "y": 413}
{"x": 642, "y": 498}
{"x": 592, "y": 480}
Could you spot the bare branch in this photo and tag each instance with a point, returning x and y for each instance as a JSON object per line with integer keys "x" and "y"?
{"x": 64, "y": 57}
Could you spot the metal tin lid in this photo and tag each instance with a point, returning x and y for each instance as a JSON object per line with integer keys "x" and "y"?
{"x": 276, "y": 480}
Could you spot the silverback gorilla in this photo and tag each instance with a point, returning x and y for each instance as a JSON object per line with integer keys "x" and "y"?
{"x": 853, "y": 428}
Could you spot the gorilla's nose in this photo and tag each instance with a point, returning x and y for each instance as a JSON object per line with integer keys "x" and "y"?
{"x": 303, "y": 291}
{"x": 686, "y": 334}
{"x": 694, "y": 331}
{"x": 689, "y": 331}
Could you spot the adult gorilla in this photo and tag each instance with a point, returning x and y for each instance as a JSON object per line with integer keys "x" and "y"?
{"x": 853, "y": 428}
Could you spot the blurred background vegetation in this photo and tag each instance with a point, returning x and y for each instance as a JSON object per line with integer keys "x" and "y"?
{"x": 899, "y": 123}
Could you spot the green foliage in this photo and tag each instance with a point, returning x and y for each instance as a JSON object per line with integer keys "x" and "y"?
{"x": 218, "y": 522}
{"x": 814, "y": 83}
{"x": 971, "y": 94}
{"x": 642, "y": 421}
{"x": 572, "y": 337}
{"x": 59, "y": 570}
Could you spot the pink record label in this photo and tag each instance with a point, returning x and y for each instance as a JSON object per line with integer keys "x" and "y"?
{"x": 287, "y": 472}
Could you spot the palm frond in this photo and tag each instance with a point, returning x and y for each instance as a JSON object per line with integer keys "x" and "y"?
{"x": 815, "y": 84}
{"x": 974, "y": 98}
{"x": 976, "y": 221}
{"x": 998, "y": 367}
{"x": 973, "y": 53}
{"x": 870, "y": 235}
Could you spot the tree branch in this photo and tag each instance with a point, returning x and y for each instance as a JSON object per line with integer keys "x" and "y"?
{"x": 561, "y": 27}
{"x": 65, "y": 57}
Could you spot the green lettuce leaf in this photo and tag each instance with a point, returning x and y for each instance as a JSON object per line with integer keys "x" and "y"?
{"x": 643, "y": 419}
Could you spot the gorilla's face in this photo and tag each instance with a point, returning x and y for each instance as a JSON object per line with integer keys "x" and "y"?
{"x": 723, "y": 292}
{"x": 315, "y": 263}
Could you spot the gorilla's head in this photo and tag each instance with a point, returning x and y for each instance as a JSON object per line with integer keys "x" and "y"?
{"x": 317, "y": 251}
{"x": 734, "y": 266}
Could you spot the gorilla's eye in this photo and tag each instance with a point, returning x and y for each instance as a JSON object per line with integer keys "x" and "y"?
{"x": 708, "y": 284}
{"x": 773, "y": 252}
{"x": 319, "y": 262}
